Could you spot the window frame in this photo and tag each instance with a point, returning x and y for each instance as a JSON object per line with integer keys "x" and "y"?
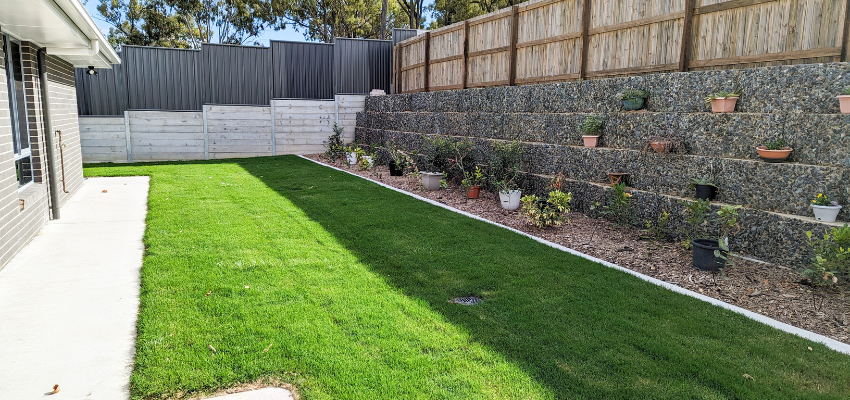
{"x": 21, "y": 155}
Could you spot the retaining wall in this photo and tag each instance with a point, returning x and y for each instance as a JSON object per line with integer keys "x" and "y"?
{"x": 796, "y": 103}
{"x": 219, "y": 131}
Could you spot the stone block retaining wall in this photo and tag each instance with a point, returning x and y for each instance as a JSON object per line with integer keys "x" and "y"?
{"x": 796, "y": 103}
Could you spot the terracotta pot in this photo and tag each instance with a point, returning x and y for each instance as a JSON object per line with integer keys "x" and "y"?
{"x": 472, "y": 192}
{"x": 774, "y": 155}
{"x": 661, "y": 146}
{"x": 590, "y": 141}
{"x": 617, "y": 177}
{"x": 844, "y": 103}
{"x": 723, "y": 104}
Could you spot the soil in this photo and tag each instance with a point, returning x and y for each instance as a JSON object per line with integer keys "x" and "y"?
{"x": 775, "y": 291}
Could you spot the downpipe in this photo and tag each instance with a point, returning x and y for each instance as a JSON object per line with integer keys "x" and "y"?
{"x": 52, "y": 183}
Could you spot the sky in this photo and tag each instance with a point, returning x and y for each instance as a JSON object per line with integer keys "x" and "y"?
{"x": 286, "y": 34}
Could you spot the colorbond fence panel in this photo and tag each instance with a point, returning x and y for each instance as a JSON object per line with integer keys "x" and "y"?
{"x": 556, "y": 40}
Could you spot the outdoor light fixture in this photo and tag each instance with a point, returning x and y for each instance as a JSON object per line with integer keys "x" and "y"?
{"x": 91, "y": 71}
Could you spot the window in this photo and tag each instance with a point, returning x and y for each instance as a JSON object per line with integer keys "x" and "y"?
{"x": 18, "y": 110}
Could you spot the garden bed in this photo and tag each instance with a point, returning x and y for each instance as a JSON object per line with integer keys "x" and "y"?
{"x": 772, "y": 290}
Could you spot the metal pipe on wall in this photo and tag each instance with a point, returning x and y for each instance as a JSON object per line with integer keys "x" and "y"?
{"x": 48, "y": 133}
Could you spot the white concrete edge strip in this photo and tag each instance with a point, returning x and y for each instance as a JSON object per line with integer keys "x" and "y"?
{"x": 828, "y": 342}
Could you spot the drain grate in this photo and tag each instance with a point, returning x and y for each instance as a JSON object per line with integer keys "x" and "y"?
{"x": 466, "y": 301}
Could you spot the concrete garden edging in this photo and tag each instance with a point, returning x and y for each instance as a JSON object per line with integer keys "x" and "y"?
{"x": 828, "y": 342}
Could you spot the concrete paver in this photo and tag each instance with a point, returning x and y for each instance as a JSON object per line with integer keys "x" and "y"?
{"x": 69, "y": 300}
{"x": 259, "y": 394}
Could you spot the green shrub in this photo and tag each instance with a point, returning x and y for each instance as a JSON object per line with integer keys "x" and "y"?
{"x": 777, "y": 144}
{"x": 335, "y": 148}
{"x": 504, "y": 165}
{"x": 592, "y": 125}
{"x": 831, "y": 258}
{"x": 550, "y": 212}
{"x": 438, "y": 151}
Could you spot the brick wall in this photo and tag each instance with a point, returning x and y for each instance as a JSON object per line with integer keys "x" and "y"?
{"x": 19, "y": 225}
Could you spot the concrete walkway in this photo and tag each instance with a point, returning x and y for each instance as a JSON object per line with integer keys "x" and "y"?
{"x": 69, "y": 300}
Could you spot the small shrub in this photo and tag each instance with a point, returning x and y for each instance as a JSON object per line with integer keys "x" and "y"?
{"x": 846, "y": 91}
{"x": 822, "y": 200}
{"x": 504, "y": 165}
{"x": 660, "y": 230}
{"x": 696, "y": 220}
{"x": 550, "y": 212}
{"x": 831, "y": 256}
{"x": 619, "y": 207}
{"x": 777, "y": 144}
{"x": 473, "y": 178}
{"x": 463, "y": 159}
{"x": 727, "y": 219}
{"x": 708, "y": 181}
{"x": 592, "y": 125}
{"x": 722, "y": 95}
{"x": 335, "y": 148}
{"x": 633, "y": 94}
{"x": 438, "y": 151}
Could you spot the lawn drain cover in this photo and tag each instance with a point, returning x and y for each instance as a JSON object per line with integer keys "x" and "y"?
{"x": 466, "y": 301}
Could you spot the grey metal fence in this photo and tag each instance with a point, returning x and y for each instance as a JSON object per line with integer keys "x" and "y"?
{"x": 361, "y": 65}
{"x": 152, "y": 78}
{"x": 302, "y": 70}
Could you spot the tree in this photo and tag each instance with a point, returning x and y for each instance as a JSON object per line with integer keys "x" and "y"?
{"x": 185, "y": 23}
{"x": 324, "y": 20}
{"x": 413, "y": 9}
{"x": 152, "y": 23}
{"x": 447, "y": 12}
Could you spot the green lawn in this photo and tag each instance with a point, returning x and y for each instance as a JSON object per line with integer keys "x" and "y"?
{"x": 348, "y": 283}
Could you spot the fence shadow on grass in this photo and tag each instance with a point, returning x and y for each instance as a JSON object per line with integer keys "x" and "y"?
{"x": 580, "y": 329}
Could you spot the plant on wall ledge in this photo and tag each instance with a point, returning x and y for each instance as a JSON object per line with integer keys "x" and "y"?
{"x": 663, "y": 144}
{"x": 633, "y": 99}
{"x": 723, "y": 102}
{"x": 591, "y": 129}
{"x": 844, "y": 101}
{"x": 825, "y": 209}
{"x": 705, "y": 188}
{"x": 774, "y": 150}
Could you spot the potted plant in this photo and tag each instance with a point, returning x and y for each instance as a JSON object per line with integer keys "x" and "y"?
{"x": 712, "y": 254}
{"x": 664, "y": 144}
{"x": 633, "y": 99}
{"x": 723, "y": 102}
{"x": 353, "y": 152}
{"x": 774, "y": 150}
{"x": 844, "y": 101}
{"x": 591, "y": 128}
{"x": 825, "y": 209}
{"x": 504, "y": 171}
{"x": 472, "y": 182}
{"x": 399, "y": 160}
{"x": 438, "y": 152}
{"x": 705, "y": 188}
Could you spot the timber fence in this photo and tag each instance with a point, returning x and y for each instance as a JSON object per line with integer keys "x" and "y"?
{"x": 561, "y": 40}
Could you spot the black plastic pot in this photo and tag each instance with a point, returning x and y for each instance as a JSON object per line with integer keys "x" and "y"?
{"x": 706, "y": 192}
{"x": 703, "y": 255}
{"x": 395, "y": 170}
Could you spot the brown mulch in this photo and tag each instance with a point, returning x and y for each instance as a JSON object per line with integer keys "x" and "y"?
{"x": 772, "y": 290}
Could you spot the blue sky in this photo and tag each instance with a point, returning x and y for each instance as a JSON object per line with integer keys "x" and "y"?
{"x": 286, "y": 34}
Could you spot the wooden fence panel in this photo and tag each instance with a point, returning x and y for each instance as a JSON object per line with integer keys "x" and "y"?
{"x": 766, "y": 32}
{"x": 556, "y": 40}
{"x": 549, "y": 41}
{"x": 489, "y": 49}
{"x": 446, "y": 58}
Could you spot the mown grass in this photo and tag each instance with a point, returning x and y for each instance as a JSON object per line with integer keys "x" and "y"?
{"x": 341, "y": 287}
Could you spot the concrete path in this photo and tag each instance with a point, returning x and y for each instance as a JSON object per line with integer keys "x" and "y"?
{"x": 69, "y": 300}
{"x": 259, "y": 394}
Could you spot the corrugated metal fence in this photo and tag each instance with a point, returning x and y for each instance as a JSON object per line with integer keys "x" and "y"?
{"x": 152, "y": 78}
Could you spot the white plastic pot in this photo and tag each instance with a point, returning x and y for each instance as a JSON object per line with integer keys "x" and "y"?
{"x": 431, "y": 180}
{"x": 510, "y": 200}
{"x": 351, "y": 157}
{"x": 826, "y": 213}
